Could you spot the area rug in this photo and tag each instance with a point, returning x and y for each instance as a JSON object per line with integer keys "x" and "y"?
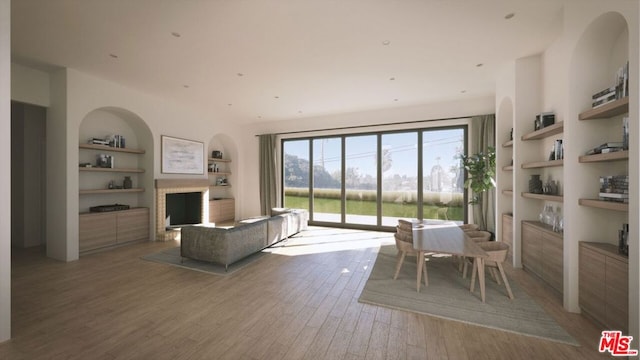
{"x": 448, "y": 297}
{"x": 172, "y": 256}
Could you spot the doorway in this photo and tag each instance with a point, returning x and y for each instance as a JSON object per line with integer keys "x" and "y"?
{"x": 28, "y": 174}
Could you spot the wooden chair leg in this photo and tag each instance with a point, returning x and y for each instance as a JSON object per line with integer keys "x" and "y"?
{"x": 473, "y": 275}
{"x": 494, "y": 275}
{"x": 424, "y": 268}
{"x": 399, "y": 261}
{"x": 506, "y": 282}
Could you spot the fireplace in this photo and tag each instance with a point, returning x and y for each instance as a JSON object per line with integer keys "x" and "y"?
{"x": 183, "y": 209}
{"x": 197, "y": 188}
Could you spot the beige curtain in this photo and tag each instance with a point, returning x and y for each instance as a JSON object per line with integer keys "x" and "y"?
{"x": 483, "y": 135}
{"x": 268, "y": 174}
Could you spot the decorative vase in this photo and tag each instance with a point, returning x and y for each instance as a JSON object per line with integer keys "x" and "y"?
{"x": 127, "y": 183}
{"x": 535, "y": 184}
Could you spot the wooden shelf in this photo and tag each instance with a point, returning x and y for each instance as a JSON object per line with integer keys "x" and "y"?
{"x": 220, "y": 186}
{"x": 110, "y": 191}
{"x": 219, "y": 173}
{"x": 547, "y": 131}
{"x": 556, "y": 198}
{"x": 507, "y": 192}
{"x": 508, "y": 144}
{"x": 109, "y": 148}
{"x": 607, "y": 205}
{"x": 543, "y": 164}
{"x": 613, "y": 156}
{"x": 507, "y": 168}
{"x": 218, "y": 160}
{"x": 618, "y": 107}
{"x": 119, "y": 170}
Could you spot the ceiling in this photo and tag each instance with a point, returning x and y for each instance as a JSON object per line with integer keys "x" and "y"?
{"x": 265, "y": 60}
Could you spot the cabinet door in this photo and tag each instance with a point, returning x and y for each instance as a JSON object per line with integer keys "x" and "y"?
{"x": 532, "y": 249}
{"x": 133, "y": 225}
{"x": 552, "y": 261}
{"x": 592, "y": 283}
{"x": 97, "y": 230}
{"x": 507, "y": 235}
{"x": 617, "y": 294}
{"x": 221, "y": 210}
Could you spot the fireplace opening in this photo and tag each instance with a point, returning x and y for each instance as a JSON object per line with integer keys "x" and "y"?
{"x": 183, "y": 209}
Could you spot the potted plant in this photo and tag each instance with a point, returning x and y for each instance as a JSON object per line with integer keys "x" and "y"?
{"x": 481, "y": 172}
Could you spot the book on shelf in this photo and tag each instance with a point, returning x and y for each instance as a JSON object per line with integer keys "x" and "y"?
{"x": 608, "y": 147}
{"x": 604, "y": 101}
{"x": 614, "y": 195}
{"x": 604, "y": 92}
{"x": 606, "y": 96}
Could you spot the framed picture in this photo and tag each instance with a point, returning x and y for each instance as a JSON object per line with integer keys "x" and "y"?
{"x": 180, "y": 156}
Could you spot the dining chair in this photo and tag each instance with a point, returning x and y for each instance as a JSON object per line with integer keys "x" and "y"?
{"x": 497, "y": 252}
{"x": 404, "y": 243}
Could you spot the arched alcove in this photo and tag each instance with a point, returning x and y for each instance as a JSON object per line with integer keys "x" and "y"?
{"x": 228, "y": 149}
{"x": 134, "y": 160}
{"x": 600, "y": 51}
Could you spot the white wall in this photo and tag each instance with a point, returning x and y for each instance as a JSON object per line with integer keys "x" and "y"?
{"x": 29, "y": 85}
{"x": 5, "y": 170}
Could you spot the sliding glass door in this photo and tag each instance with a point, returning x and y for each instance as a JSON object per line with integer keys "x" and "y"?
{"x": 327, "y": 179}
{"x": 361, "y": 179}
{"x": 399, "y": 167}
{"x": 372, "y": 180}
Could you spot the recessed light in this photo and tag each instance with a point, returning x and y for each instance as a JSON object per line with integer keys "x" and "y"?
{"x": 509, "y": 16}
{"x": 240, "y": 74}
{"x": 229, "y": 104}
{"x": 259, "y": 117}
{"x": 479, "y": 65}
{"x": 395, "y": 99}
{"x": 276, "y": 97}
{"x": 176, "y": 34}
{"x": 463, "y": 91}
{"x": 299, "y": 111}
{"x": 185, "y": 86}
{"x": 113, "y": 56}
{"x": 386, "y": 42}
{"x": 392, "y": 78}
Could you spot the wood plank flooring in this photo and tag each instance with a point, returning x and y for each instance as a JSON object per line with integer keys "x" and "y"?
{"x": 298, "y": 302}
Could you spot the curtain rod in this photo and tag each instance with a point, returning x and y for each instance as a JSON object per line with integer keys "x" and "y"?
{"x": 373, "y": 125}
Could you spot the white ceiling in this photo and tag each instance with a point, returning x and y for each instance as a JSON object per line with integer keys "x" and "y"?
{"x": 260, "y": 60}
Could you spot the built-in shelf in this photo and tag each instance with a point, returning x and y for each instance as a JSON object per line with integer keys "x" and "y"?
{"x": 507, "y": 192}
{"x": 218, "y": 173}
{"x": 508, "y": 144}
{"x": 545, "y": 132}
{"x": 216, "y": 186}
{"x": 109, "y": 148}
{"x": 611, "y": 109}
{"x": 507, "y": 168}
{"x": 612, "y": 156}
{"x": 218, "y": 160}
{"x": 110, "y": 191}
{"x": 543, "y": 164}
{"x": 601, "y": 204}
{"x": 556, "y": 198}
{"x": 118, "y": 170}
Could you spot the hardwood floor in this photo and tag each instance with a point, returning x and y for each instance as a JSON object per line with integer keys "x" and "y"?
{"x": 298, "y": 302}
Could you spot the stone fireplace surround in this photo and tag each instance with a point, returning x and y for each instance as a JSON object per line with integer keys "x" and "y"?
{"x": 174, "y": 186}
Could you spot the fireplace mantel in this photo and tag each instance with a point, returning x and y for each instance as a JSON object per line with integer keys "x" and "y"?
{"x": 173, "y": 186}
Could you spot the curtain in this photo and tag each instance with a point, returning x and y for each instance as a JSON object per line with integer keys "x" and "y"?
{"x": 483, "y": 135}
{"x": 268, "y": 174}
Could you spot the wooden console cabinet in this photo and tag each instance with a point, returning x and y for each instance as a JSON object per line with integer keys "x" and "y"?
{"x": 222, "y": 210}
{"x": 604, "y": 285}
{"x": 542, "y": 253}
{"x": 104, "y": 229}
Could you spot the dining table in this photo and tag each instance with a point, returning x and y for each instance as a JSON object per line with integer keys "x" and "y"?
{"x": 446, "y": 238}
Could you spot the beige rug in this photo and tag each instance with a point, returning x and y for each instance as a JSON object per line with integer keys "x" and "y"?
{"x": 448, "y": 297}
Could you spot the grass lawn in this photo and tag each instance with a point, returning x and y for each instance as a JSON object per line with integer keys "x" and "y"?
{"x": 360, "y": 207}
